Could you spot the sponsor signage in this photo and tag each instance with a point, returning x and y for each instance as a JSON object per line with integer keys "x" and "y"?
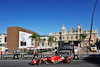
{"x": 25, "y": 40}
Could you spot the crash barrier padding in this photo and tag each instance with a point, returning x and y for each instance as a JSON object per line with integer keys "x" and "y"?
{"x": 48, "y": 55}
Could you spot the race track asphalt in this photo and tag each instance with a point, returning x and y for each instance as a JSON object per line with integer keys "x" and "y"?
{"x": 74, "y": 63}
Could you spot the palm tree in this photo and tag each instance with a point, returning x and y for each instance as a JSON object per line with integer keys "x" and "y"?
{"x": 34, "y": 35}
{"x": 51, "y": 39}
{"x": 55, "y": 41}
{"x": 38, "y": 39}
{"x": 82, "y": 37}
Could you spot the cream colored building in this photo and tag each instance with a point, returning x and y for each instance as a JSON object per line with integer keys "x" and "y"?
{"x": 45, "y": 44}
{"x": 98, "y": 39}
{"x": 73, "y": 35}
{"x": 3, "y": 39}
{"x": 3, "y": 43}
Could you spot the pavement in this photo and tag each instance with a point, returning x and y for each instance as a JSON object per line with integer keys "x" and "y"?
{"x": 74, "y": 63}
{"x": 87, "y": 51}
{"x": 80, "y": 51}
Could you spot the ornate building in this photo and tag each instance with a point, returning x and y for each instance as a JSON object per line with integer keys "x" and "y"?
{"x": 45, "y": 44}
{"x": 75, "y": 35}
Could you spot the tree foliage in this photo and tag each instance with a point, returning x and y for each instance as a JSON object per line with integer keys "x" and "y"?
{"x": 74, "y": 30}
{"x": 34, "y": 35}
{"x": 55, "y": 40}
{"x": 83, "y": 36}
{"x": 38, "y": 39}
{"x": 51, "y": 39}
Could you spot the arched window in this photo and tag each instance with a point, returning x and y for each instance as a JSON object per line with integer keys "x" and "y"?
{"x": 71, "y": 37}
{"x": 63, "y": 37}
{"x": 55, "y": 38}
{"x": 67, "y": 37}
{"x": 75, "y": 37}
{"x": 42, "y": 44}
{"x": 38, "y": 44}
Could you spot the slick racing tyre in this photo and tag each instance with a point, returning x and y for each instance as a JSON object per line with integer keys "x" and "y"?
{"x": 55, "y": 62}
{"x": 40, "y": 62}
{"x": 31, "y": 63}
{"x": 46, "y": 62}
{"x": 68, "y": 61}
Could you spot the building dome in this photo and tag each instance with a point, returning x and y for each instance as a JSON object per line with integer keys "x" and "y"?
{"x": 64, "y": 27}
{"x": 79, "y": 27}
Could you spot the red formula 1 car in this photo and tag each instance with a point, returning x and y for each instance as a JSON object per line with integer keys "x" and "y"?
{"x": 39, "y": 61}
{"x": 54, "y": 59}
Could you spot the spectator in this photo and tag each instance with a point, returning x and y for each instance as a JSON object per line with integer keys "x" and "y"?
{"x": 35, "y": 54}
{"x": 55, "y": 50}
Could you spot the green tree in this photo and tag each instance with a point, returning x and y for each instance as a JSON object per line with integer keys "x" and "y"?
{"x": 38, "y": 39}
{"x": 55, "y": 41}
{"x": 43, "y": 41}
{"x": 73, "y": 30}
{"x": 34, "y": 35}
{"x": 82, "y": 37}
{"x": 51, "y": 40}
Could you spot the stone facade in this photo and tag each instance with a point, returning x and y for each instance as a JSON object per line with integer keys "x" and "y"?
{"x": 74, "y": 35}
{"x": 45, "y": 44}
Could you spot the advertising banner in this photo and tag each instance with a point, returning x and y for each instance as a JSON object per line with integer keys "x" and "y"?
{"x": 25, "y": 40}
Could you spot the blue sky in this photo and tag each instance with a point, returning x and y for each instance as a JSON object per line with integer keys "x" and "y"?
{"x": 46, "y": 16}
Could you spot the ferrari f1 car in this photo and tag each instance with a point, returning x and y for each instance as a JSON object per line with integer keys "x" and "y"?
{"x": 39, "y": 61}
{"x": 54, "y": 59}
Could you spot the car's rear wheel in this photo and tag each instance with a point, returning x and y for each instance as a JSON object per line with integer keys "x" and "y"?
{"x": 68, "y": 61}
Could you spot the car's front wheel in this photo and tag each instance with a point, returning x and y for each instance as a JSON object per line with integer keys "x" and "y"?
{"x": 31, "y": 63}
{"x": 40, "y": 62}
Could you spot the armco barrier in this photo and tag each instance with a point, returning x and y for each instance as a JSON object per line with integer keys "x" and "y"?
{"x": 22, "y": 56}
